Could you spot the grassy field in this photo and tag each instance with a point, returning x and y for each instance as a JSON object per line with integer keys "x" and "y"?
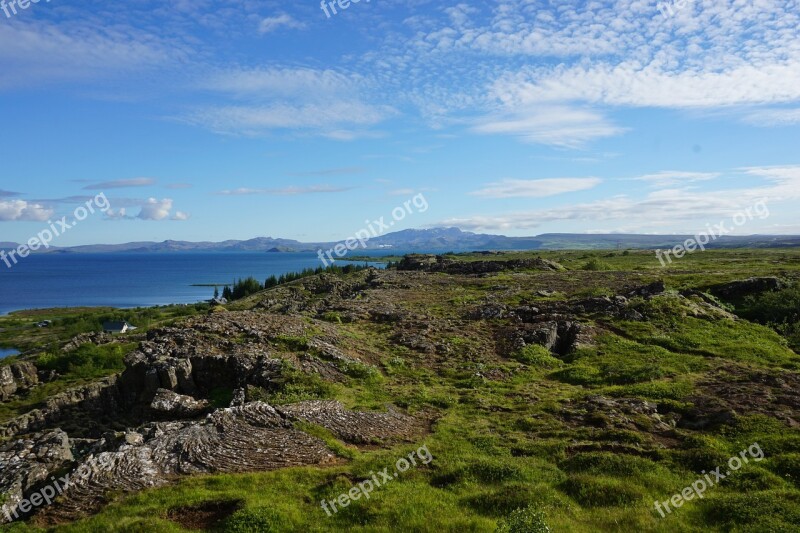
{"x": 514, "y": 444}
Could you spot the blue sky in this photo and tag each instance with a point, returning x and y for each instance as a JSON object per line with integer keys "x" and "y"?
{"x": 204, "y": 120}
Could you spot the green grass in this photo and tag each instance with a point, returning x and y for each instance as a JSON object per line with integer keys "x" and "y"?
{"x": 505, "y": 455}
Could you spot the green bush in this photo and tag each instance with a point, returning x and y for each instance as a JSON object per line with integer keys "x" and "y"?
{"x": 595, "y": 265}
{"x": 87, "y": 361}
{"x": 536, "y": 356}
{"x": 492, "y": 471}
{"x": 527, "y": 520}
{"x": 296, "y": 386}
{"x": 610, "y": 464}
{"x": 332, "y": 316}
{"x": 503, "y": 500}
{"x": 260, "y": 520}
{"x": 593, "y": 491}
{"x": 755, "y": 511}
{"x": 579, "y": 375}
{"x": 787, "y": 466}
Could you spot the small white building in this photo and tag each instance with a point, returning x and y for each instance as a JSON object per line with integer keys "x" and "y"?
{"x": 117, "y": 327}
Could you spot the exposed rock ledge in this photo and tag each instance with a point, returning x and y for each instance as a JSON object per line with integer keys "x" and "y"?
{"x": 248, "y": 438}
{"x": 16, "y": 377}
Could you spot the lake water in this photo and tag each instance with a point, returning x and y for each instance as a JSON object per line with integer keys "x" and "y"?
{"x": 7, "y": 352}
{"x": 135, "y": 279}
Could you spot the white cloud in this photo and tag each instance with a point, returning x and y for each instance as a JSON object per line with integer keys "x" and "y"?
{"x": 773, "y": 117}
{"x": 121, "y": 184}
{"x": 155, "y": 209}
{"x": 554, "y": 125}
{"x": 321, "y": 102}
{"x": 282, "y": 82}
{"x": 653, "y": 85}
{"x": 181, "y": 216}
{"x": 20, "y": 210}
{"x": 285, "y": 191}
{"x": 541, "y": 188}
{"x": 271, "y": 24}
{"x": 661, "y": 210}
{"x": 117, "y": 214}
{"x": 668, "y": 178}
{"x": 586, "y": 60}
{"x": 34, "y": 53}
{"x": 325, "y": 119}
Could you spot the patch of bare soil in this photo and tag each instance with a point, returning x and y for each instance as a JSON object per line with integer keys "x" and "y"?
{"x": 205, "y": 516}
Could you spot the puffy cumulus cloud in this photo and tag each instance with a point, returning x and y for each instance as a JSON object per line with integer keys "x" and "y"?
{"x": 155, "y": 209}
{"x": 20, "y": 210}
{"x": 118, "y": 214}
{"x": 180, "y": 216}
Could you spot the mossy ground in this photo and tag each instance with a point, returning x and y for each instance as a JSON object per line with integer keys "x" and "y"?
{"x": 500, "y": 442}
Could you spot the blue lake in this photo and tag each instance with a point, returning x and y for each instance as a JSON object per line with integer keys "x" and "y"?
{"x": 7, "y": 352}
{"x": 135, "y": 279}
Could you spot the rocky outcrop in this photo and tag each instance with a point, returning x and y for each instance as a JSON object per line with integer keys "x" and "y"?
{"x": 17, "y": 377}
{"x": 737, "y": 290}
{"x": 561, "y": 337}
{"x": 253, "y": 437}
{"x": 648, "y": 291}
{"x": 175, "y": 406}
{"x": 101, "y": 397}
{"x": 26, "y": 464}
{"x": 434, "y": 263}
{"x": 96, "y": 338}
{"x": 616, "y": 413}
{"x": 353, "y": 426}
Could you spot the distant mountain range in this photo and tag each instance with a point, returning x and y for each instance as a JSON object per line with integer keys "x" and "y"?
{"x": 437, "y": 240}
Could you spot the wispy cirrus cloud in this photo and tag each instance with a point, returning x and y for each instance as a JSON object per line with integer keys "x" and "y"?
{"x": 343, "y": 171}
{"x": 263, "y": 100}
{"x": 271, "y": 24}
{"x": 121, "y": 184}
{"x": 338, "y": 120}
{"x": 539, "y": 188}
{"x": 668, "y": 178}
{"x": 773, "y": 117}
{"x": 559, "y": 73}
{"x": 552, "y": 125}
{"x": 285, "y": 191}
{"x": 660, "y": 210}
{"x": 39, "y": 52}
